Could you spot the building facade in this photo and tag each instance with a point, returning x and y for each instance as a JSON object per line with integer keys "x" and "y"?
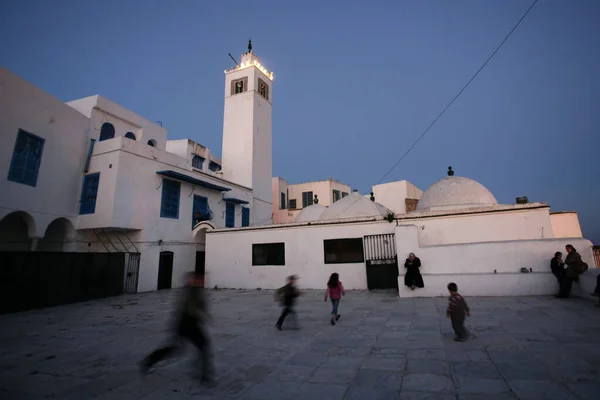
{"x": 289, "y": 199}
{"x": 91, "y": 176}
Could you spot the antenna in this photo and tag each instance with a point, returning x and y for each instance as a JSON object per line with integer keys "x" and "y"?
{"x": 236, "y": 63}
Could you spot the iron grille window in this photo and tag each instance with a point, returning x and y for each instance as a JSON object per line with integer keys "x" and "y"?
{"x": 197, "y": 162}
{"x": 245, "y": 216}
{"x": 89, "y": 194}
{"x": 343, "y": 251}
{"x": 293, "y": 204}
{"x": 169, "y": 205}
{"x": 268, "y": 254}
{"x": 307, "y": 199}
{"x": 26, "y": 159}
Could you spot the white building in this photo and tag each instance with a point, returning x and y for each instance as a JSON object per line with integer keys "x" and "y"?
{"x": 92, "y": 176}
{"x": 458, "y": 230}
{"x": 289, "y": 199}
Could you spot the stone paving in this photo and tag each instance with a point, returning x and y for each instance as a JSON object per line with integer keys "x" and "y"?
{"x": 382, "y": 348}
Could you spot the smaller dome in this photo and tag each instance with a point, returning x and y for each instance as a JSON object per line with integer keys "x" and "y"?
{"x": 353, "y": 206}
{"x": 455, "y": 192}
{"x": 310, "y": 213}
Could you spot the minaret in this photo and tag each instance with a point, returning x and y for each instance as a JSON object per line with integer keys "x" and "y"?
{"x": 247, "y": 139}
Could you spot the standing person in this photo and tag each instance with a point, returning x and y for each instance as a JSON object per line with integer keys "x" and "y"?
{"x": 575, "y": 267}
{"x": 190, "y": 320}
{"x": 413, "y": 277}
{"x": 335, "y": 290}
{"x": 457, "y": 311}
{"x": 557, "y": 266}
{"x": 289, "y": 293}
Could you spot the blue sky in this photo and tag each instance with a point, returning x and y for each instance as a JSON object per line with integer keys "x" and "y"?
{"x": 355, "y": 83}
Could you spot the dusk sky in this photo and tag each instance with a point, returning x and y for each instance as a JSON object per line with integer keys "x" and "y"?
{"x": 356, "y": 83}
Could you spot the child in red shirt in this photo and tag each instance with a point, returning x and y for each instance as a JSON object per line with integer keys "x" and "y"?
{"x": 335, "y": 290}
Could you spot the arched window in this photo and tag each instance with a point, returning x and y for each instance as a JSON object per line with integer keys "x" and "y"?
{"x": 152, "y": 142}
{"x": 107, "y": 131}
{"x": 130, "y": 135}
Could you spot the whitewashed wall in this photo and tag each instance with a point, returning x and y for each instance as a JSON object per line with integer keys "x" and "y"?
{"x": 565, "y": 225}
{"x": 393, "y": 195}
{"x": 56, "y": 194}
{"x": 229, "y": 256}
{"x": 471, "y": 266}
{"x": 476, "y": 228}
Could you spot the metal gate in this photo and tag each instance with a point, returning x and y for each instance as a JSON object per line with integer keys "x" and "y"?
{"x": 381, "y": 261}
{"x": 380, "y": 247}
{"x": 132, "y": 272}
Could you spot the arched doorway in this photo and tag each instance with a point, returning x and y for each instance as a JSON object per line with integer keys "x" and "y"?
{"x": 16, "y": 231}
{"x": 199, "y": 238}
{"x": 59, "y": 232}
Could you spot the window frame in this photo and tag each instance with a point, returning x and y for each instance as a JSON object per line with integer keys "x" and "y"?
{"x": 276, "y": 260}
{"x": 109, "y": 133}
{"x": 261, "y": 84}
{"x": 310, "y": 199}
{"x": 166, "y": 183}
{"x": 197, "y": 157}
{"x": 339, "y": 195}
{"x": 12, "y": 176}
{"x": 245, "y": 217}
{"x": 346, "y": 258}
{"x": 229, "y": 213}
{"x": 244, "y": 81}
{"x": 92, "y": 207}
{"x": 282, "y": 201}
{"x": 294, "y": 202}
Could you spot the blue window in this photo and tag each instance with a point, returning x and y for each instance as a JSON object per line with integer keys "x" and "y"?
{"x": 245, "y": 216}
{"x": 201, "y": 211}
{"x": 107, "y": 131}
{"x": 197, "y": 162}
{"x": 130, "y": 135}
{"x": 89, "y": 194}
{"x": 282, "y": 202}
{"x": 229, "y": 215}
{"x": 307, "y": 199}
{"x": 26, "y": 159}
{"x": 213, "y": 166}
{"x": 169, "y": 204}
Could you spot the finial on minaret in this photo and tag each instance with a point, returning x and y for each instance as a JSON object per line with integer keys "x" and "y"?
{"x": 450, "y": 172}
{"x": 249, "y": 46}
{"x": 316, "y": 200}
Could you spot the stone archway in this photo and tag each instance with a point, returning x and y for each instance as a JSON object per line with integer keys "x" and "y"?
{"x": 199, "y": 239}
{"x": 16, "y": 231}
{"x": 58, "y": 234}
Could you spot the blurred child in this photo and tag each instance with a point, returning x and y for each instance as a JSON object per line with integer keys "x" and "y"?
{"x": 287, "y": 296}
{"x": 457, "y": 311}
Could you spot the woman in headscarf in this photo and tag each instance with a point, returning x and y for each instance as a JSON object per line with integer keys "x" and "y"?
{"x": 575, "y": 267}
{"x": 413, "y": 277}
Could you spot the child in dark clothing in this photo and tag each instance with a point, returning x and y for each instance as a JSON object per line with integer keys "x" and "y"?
{"x": 288, "y": 294}
{"x": 457, "y": 312}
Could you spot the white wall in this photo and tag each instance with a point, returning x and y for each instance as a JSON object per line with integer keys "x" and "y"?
{"x": 565, "y": 225}
{"x": 471, "y": 266}
{"x": 489, "y": 227}
{"x": 393, "y": 195}
{"x": 304, "y": 256}
{"x": 64, "y": 130}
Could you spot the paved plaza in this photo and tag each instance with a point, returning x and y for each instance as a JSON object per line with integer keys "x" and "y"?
{"x": 382, "y": 348}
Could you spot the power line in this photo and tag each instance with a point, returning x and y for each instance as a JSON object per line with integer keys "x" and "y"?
{"x": 452, "y": 101}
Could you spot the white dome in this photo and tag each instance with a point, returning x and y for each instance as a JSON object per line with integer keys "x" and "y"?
{"x": 455, "y": 192}
{"x": 310, "y": 213}
{"x": 353, "y": 206}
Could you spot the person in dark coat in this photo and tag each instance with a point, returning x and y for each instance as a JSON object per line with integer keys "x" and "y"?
{"x": 190, "y": 320}
{"x": 575, "y": 267}
{"x": 557, "y": 266}
{"x": 413, "y": 277}
{"x": 288, "y": 294}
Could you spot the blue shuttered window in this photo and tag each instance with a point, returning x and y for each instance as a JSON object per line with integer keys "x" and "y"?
{"x": 307, "y": 199}
{"x": 26, "y": 159}
{"x": 169, "y": 204}
{"x": 201, "y": 211}
{"x": 229, "y": 215}
{"x": 245, "y": 216}
{"x": 107, "y": 131}
{"x": 89, "y": 194}
{"x": 197, "y": 162}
